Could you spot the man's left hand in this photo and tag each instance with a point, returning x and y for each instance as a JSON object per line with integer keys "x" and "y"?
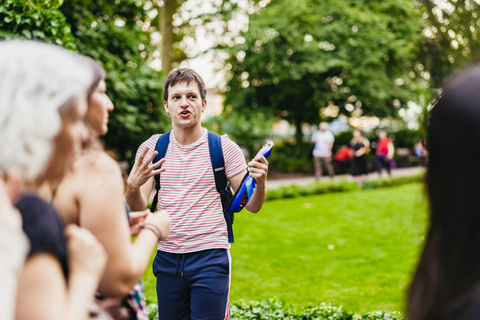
{"x": 258, "y": 169}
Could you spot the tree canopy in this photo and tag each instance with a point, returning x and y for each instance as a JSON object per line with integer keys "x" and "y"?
{"x": 343, "y": 55}
{"x": 450, "y": 37}
{"x": 113, "y": 33}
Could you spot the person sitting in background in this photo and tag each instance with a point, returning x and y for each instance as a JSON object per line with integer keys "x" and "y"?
{"x": 322, "y": 153}
{"x": 446, "y": 283}
{"x": 385, "y": 151}
{"x": 42, "y": 106}
{"x": 91, "y": 195}
{"x": 419, "y": 149}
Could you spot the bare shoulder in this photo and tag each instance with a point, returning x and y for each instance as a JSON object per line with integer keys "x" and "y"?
{"x": 96, "y": 163}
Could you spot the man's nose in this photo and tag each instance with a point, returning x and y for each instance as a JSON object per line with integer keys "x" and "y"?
{"x": 183, "y": 101}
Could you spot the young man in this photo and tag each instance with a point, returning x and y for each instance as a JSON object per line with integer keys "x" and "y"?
{"x": 193, "y": 264}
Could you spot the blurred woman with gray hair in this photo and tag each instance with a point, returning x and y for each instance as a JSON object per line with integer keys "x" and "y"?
{"x": 42, "y": 108}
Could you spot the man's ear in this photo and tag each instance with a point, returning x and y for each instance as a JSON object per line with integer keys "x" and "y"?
{"x": 204, "y": 105}
{"x": 165, "y": 105}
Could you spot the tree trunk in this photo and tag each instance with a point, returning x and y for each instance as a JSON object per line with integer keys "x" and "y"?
{"x": 298, "y": 132}
{"x": 166, "y": 29}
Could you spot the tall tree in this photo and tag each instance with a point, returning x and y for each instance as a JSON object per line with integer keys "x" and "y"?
{"x": 450, "y": 37}
{"x": 35, "y": 20}
{"x": 187, "y": 25}
{"x": 325, "y": 57}
{"x": 116, "y": 34}
{"x": 113, "y": 33}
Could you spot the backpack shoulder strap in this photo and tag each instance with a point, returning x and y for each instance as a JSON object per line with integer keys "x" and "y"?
{"x": 161, "y": 148}
{"x": 218, "y": 166}
{"x": 218, "y": 162}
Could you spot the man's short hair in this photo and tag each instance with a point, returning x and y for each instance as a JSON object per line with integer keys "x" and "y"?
{"x": 186, "y": 75}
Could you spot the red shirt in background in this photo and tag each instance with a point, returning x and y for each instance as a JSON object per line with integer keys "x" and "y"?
{"x": 382, "y": 146}
{"x": 344, "y": 153}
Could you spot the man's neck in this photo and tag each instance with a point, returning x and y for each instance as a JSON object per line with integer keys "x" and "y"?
{"x": 186, "y": 136}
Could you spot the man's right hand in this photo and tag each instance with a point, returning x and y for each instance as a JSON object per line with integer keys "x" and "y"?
{"x": 161, "y": 219}
{"x": 143, "y": 169}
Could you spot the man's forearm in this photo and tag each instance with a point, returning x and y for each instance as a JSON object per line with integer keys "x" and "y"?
{"x": 257, "y": 200}
{"x": 135, "y": 199}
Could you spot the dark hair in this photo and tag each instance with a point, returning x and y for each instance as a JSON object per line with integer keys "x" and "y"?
{"x": 99, "y": 73}
{"x": 184, "y": 75}
{"x": 446, "y": 284}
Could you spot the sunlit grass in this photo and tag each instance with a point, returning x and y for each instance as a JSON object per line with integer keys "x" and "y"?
{"x": 355, "y": 249}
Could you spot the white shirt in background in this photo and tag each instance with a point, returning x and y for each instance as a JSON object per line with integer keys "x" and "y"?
{"x": 322, "y": 139}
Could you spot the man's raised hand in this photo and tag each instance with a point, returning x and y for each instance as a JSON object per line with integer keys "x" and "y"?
{"x": 144, "y": 169}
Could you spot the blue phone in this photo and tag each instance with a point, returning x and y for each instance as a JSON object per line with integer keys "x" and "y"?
{"x": 245, "y": 191}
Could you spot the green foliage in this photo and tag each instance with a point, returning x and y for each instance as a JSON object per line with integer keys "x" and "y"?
{"x": 318, "y": 187}
{"x": 273, "y": 309}
{"x": 152, "y": 310}
{"x": 35, "y": 20}
{"x": 324, "y": 53}
{"x": 405, "y": 138}
{"x": 111, "y": 32}
{"x": 450, "y": 39}
{"x": 392, "y": 181}
{"x": 291, "y": 157}
{"x": 248, "y": 130}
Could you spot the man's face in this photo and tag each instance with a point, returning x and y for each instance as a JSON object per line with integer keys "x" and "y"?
{"x": 185, "y": 104}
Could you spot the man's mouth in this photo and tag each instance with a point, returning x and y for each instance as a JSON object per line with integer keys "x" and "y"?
{"x": 185, "y": 113}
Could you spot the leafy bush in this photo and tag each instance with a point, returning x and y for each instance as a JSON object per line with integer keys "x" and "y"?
{"x": 273, "y": 309}
{"x": 341, "y": 185}
{"x": 134, "y": 87}
{"x": 249, "y": 130}
{"x": 290, "y": 156}
{"x": 392, "y": 181}
{"x": 41, "y": 20}
{"x": 405, "y": 138}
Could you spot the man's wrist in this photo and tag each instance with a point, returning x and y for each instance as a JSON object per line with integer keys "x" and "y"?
{"x": 131, "y": 189}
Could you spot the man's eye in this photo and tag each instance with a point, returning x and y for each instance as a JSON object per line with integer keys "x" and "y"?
{"x": 193, "y": 97}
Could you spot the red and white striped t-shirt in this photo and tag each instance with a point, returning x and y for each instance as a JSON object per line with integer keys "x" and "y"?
{"x": 189, "y": 194}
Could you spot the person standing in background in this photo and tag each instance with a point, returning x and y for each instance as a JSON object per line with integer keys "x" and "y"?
{"x": 361, "y": 147}
{"x": 322, "y": 153}
{"x": 385, "y": 151}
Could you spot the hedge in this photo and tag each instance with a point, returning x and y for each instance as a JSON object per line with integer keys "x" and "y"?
{"x": 340, "y": 185}
{"x": 273, "y": 309}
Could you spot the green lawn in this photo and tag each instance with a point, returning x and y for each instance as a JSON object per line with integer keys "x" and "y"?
{"x": 355, "y": 249}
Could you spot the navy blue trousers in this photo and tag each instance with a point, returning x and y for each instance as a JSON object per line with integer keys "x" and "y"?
{"x": 193, "y": 285}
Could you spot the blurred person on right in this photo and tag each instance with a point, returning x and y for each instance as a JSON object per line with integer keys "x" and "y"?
{"x": 446, "y": 283}
{"x": 42, "y": 108}
{"x": 322, "y": 153}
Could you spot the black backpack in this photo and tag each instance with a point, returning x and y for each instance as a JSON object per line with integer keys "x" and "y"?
{"x": 218, "y": 165}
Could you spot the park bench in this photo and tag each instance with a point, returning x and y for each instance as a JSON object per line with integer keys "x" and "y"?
{"x": 406, "y": 156}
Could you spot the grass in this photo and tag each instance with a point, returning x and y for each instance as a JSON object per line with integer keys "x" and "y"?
{"x": 356, "y": 249}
